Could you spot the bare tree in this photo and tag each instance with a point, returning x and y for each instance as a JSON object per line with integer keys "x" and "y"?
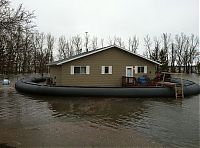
{"x": 42, "y": 53}
{"x": 50, "y": 46}
{"x": 110, "y": 41}
{"x": 164, "y": 51}
{"x": 193, "y": 51}
{"x": 11, "y": 18}
{"x": 180, "y": 41}
{"x": 148, "y": 45}
{"x": 172, "y": 54}
{"x": 157, "y": 47}
{"x": 77, "y": 44}
{"x": 69, "y": 48}
{"x": 133, "y": 44}
{"x": 102, "y": 42}
{"x": 26, "y": 49}
{"x": 118, "y": 41}
{"x": 14, "y": 39}
{"x": 62, "y": 54}
{"x": 94, "y": 43}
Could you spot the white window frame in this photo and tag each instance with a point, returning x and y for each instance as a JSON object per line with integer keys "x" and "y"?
{"x": 109, "y": 70}
{"x": 72, "y": 69}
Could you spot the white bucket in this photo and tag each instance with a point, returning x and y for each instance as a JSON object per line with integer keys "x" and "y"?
{"x": 5, "y": 82}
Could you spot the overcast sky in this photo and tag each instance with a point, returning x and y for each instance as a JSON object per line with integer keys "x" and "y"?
{"x": 124, "y": 18}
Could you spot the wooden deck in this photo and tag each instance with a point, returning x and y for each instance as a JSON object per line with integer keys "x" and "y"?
{"x": 129, "y": 81}
{"x": 166, "y": 82}
{"x": 132, "y": 82}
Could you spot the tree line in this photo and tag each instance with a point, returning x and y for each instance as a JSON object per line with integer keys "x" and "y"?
{"x": 23, "y": 49}
{"x": 179, "y": 51}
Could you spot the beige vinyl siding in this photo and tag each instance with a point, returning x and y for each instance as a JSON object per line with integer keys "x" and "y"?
{"x": 55, "y": 71}
{"x": 119, "y": 60}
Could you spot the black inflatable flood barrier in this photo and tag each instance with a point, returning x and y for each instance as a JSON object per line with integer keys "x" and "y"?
{"x": 31, "y": 86}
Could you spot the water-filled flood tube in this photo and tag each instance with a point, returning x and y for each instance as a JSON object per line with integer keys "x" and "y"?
{"x": 31, "y": 86}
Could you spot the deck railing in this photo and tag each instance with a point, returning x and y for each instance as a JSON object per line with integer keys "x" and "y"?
{"x": 134, "y": 82}
{"x": 128, "y": 81}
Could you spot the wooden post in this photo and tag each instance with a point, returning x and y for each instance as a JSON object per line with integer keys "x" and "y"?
{"x": 164, "y": 77}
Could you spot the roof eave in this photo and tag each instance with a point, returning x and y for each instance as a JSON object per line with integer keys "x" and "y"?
{"x": 87, "y": 54}
{"x": 54, "y": 64}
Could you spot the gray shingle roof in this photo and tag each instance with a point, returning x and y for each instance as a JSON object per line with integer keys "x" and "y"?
{"x": 60, "y": 62}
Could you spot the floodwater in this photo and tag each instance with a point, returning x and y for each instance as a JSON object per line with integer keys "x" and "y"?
{"x": 38, "y": 121}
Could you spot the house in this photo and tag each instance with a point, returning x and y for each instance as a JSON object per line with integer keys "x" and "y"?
{"x": 101, "y": 67}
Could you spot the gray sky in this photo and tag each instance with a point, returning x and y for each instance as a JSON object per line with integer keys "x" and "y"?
{"x": 123, "y": 18}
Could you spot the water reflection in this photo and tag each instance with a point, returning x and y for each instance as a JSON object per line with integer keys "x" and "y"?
{"x": 110, "y": 112}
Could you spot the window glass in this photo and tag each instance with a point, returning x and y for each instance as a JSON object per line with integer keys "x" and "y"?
{"x": 77, "y": 70}
{"x": 141, "y": 69}
{"x": 106, "y": 69}
{"x": 83, "y": 70}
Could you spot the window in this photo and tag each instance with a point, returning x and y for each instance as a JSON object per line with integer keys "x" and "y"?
{"x": 106, "y": 69}
{"x": 80, "y": 69}
{"x": 140, "y": 69}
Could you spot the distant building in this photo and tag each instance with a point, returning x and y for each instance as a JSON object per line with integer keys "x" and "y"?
{"x": 101, "y": 67}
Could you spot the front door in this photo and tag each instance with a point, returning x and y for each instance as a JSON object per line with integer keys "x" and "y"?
{"x": 129, "y": 71}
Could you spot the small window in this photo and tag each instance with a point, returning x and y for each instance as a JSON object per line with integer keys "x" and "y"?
{"x": 140, "y": 69}
{"x": 106, "y": 70}
{"x": 80, "y": 70}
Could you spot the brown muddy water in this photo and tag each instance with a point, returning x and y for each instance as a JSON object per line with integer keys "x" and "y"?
{"x": 38, "y": 121}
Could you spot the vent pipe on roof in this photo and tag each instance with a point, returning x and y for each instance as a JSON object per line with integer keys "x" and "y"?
{"x": 86, "y": 41}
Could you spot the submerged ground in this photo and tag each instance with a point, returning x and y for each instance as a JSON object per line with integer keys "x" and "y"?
{"x": 37, "y": 121}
